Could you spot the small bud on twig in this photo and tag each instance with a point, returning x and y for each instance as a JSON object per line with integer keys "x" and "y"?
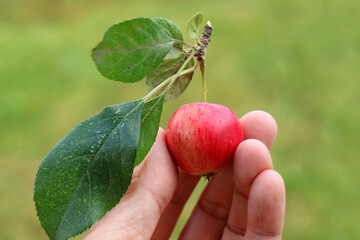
{"x": 204, "y": 41}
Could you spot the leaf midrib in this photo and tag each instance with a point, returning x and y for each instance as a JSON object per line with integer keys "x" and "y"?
{"x": 152, "y": 107}
{"x": 94, "y": 157}
{"x": 133, "y": 49}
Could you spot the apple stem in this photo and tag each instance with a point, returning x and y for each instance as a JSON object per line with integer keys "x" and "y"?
{"x": 201, "y": 51}
{"x": 202, "y": 69}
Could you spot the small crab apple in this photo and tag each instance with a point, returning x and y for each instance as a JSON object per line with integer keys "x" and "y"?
{"x": 202, "y": 137}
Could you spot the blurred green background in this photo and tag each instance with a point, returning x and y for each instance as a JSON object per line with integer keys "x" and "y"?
{"x": 298, "y": 60}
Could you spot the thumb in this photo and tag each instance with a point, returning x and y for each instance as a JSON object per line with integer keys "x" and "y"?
{"x": 151, "y": 189}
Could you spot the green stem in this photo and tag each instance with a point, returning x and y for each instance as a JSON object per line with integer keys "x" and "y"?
{"x": 202, "y": 68}
{"x": 170, "y": 80}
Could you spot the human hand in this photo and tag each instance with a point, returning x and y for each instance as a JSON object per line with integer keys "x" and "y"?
{"x": 245, "y": 201}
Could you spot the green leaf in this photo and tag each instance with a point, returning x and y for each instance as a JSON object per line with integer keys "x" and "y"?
{"x": 166, "y": 69}
{"x": 150, "y": 118}
{"x": 194, "y": 26}
{"x": 87, "y": 172}
{"x": 131, "y": 49}
{"x": 171, "y": 28}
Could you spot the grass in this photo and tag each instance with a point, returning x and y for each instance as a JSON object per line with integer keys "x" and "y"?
{"x": 298, "y": 60}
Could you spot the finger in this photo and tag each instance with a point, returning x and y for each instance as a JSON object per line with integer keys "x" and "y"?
{"x": 152, "y": 187}
{"x": 209, "y": 216}
{"x": 212, "y": 209}
{"x": 259, "y": 125}
{"x": 169, "y": 217}
{"x": 251, "y": 158}
{"x": 266, "y": 209}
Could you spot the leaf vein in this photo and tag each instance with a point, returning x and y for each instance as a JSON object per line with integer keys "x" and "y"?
{"x": 151, "y": 108}
{"x": 132, "y": 49}
{"x": 62, "y": 183}
{"x": 140, "y": 103}
{"x": 67, "y": 161}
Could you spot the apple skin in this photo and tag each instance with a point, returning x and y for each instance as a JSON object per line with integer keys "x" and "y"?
{"x": 202, "y": 137}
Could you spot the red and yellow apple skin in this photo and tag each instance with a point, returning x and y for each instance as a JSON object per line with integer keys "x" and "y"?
{"x": 202, "y": 137}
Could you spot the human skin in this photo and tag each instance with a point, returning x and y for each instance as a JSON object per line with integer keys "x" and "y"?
{"x": 244, "y": 201}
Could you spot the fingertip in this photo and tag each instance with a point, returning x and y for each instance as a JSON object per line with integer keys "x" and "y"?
{"x": 157, "y": 172}
{"x": 251, "y": 158}
{"x": 253, "y": 149}
{"x": 270, "y": 179}
{"x": 266, "y": 210}
{"x": 260, "y": 125}
{"x": 158, "y": 149}
{"x": 161, "y": 131}
{"x": 160, "y": 139}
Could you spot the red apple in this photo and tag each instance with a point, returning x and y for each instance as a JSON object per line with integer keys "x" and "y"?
{"x": 202, "y": 137}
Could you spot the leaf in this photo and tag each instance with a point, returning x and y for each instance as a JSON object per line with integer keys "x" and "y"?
{"x": 150, "y": 118}
{"x": 174, "y": 53}
{"x": 166, "y": 69}
{"x": 171, "y": 28}
{"x": 87, "y": 172}
{"x": 194, "y": 25}
{"x": 179, "y": 86}
{"x": 131, "y": 49}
